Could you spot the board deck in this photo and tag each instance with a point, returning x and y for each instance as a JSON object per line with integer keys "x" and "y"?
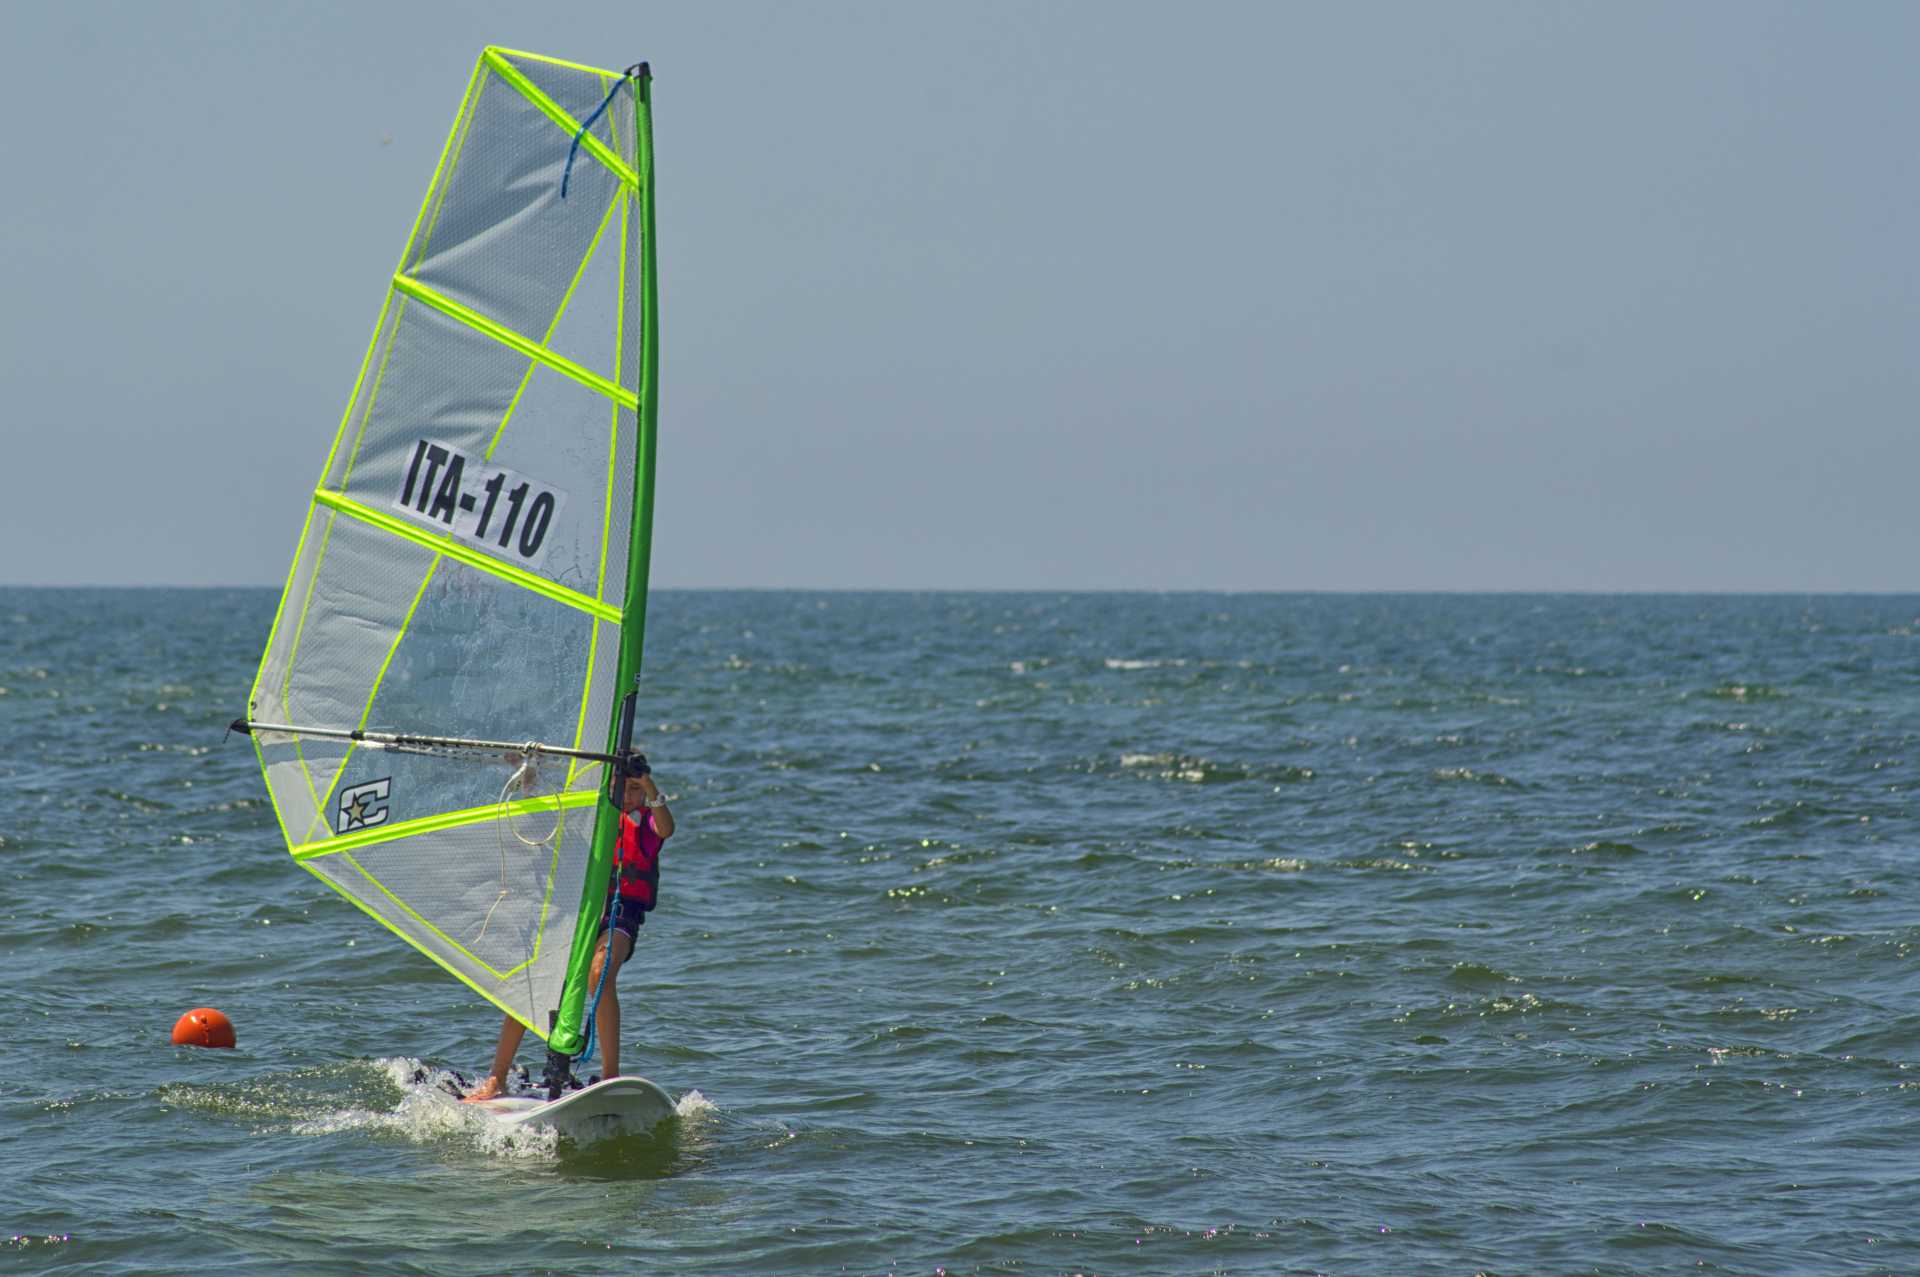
{"x": 617, "y": 1106}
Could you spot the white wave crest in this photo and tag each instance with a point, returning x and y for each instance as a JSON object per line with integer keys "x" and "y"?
{"x": 428, "y": 1113}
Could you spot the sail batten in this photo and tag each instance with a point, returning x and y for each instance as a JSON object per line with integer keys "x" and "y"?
{"x": 443, "y": 544}
{"x": 515, "y": 341}
{"x": 448, "y": 820}
{"x": 467, "y": 563}
{"x": 567, "y": 124}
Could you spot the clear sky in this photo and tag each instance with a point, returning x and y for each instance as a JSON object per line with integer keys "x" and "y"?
{"x": 1041, "y": 295}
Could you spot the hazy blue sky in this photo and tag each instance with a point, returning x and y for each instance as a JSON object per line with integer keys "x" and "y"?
{"x": 1341, "y": 296}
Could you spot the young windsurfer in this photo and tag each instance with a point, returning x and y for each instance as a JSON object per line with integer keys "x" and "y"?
{"x": 645, "y": 823}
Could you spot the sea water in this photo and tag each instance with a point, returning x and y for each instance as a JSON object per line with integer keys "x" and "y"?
{"x": 1050, "y": 933}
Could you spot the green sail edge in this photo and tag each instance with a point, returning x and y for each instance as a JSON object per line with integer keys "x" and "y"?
{"x": 567, "y": 1035}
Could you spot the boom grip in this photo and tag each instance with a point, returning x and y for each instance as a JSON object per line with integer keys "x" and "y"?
{"x": 627, "y": 763}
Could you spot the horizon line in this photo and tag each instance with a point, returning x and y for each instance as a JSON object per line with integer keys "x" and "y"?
{"x": 1464, "y": 591}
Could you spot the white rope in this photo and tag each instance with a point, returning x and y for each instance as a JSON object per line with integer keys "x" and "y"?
{"x": 525, "y": 779}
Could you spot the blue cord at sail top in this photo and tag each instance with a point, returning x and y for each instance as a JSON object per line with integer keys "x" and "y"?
{"x": 575, "y": 150}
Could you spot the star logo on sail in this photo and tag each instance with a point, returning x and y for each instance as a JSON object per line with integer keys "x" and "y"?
{"x": 363, "y": 806}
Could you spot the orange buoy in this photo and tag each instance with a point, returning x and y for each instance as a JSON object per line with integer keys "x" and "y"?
{"x": 203, "y": 1026}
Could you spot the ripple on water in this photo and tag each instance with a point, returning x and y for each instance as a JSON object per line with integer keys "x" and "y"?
{"x": 1049, "y": 933}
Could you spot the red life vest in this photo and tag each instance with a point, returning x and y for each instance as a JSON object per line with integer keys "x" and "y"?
{"x": 636, "y": 862}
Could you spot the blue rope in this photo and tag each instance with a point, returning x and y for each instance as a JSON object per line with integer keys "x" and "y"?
{"x": 600, "y": 987}
{"x": 575, "y": 150}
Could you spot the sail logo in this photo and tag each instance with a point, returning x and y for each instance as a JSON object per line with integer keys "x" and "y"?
{"x": 501, "y": 510}
{"x": 363, "y": 806}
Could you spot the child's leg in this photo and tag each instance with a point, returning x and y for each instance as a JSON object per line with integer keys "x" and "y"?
{"x": 511, "y": 1032}
{"x": 606, "y": 1021}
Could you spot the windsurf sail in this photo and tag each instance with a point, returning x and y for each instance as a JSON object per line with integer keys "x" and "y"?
{"x": 440, "y": 701}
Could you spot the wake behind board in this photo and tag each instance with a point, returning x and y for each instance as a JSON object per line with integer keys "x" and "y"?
{"x": 617, "y": 1106}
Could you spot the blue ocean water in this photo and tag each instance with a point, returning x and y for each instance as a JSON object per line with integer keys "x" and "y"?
{"x": 1030, "y": 933}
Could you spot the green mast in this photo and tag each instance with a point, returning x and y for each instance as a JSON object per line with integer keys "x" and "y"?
{"x": 567, "y": 1036}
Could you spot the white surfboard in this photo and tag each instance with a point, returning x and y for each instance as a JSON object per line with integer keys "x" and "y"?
{"x": 617, "y": 1106}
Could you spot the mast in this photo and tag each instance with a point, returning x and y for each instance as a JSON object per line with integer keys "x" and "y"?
{"x": 566, "y": 1036}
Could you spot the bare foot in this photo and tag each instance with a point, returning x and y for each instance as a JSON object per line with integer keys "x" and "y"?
{"x": 488, "y": 1089}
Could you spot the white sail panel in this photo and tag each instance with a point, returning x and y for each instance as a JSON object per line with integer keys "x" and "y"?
{"x": 464, "y": 564}
{"x": 497, "y": 236}
{"x": 504, "y": 920}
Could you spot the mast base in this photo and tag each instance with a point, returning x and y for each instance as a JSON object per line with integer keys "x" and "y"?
{"x": 559, "y": 1077}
